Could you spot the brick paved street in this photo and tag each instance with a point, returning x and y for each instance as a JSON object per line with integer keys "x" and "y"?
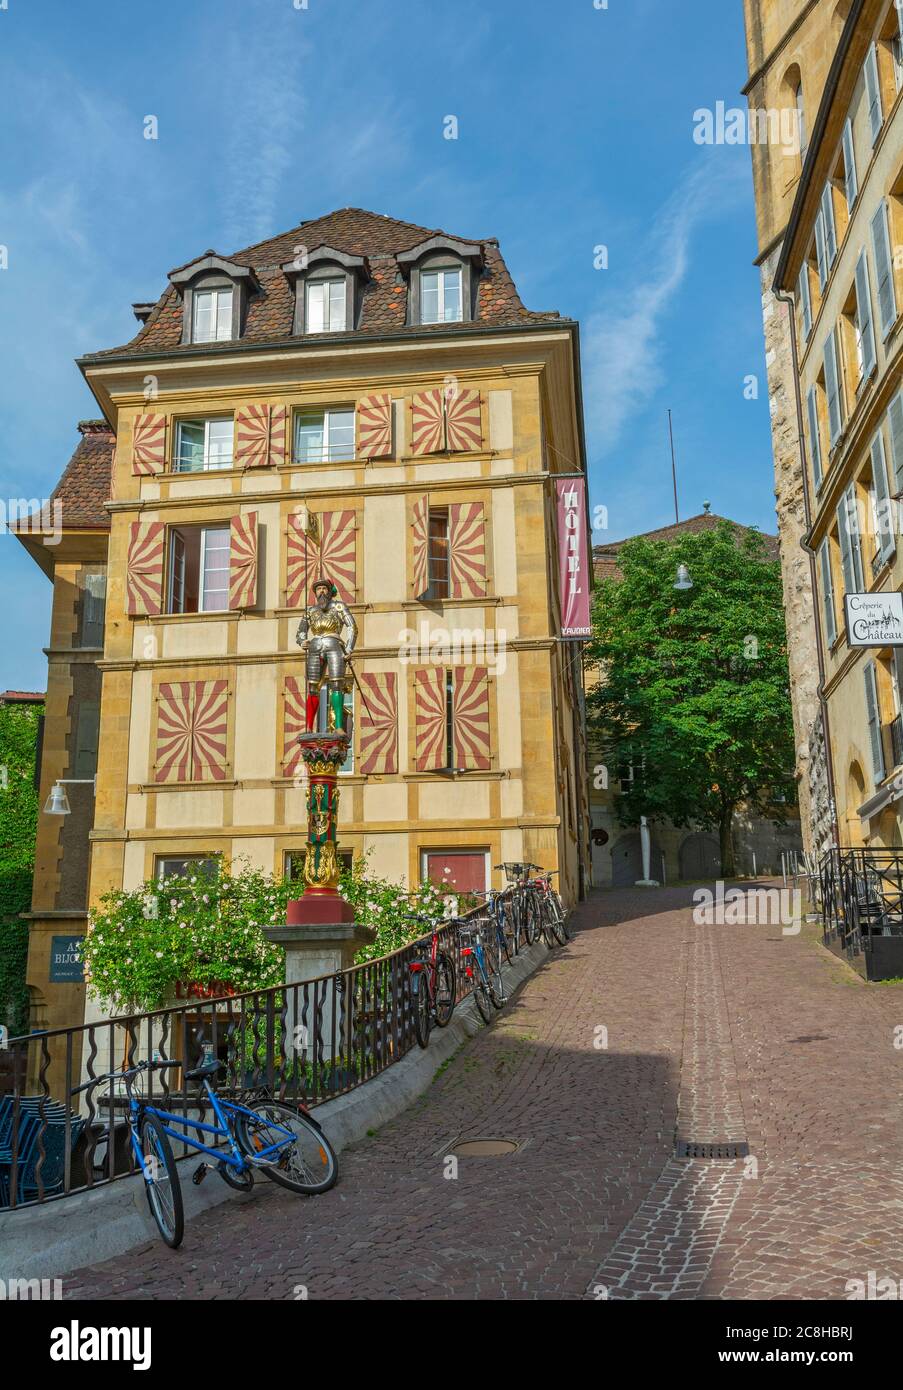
{"x": 714, "y": 1033}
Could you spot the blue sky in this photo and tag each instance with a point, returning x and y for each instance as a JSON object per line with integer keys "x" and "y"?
{"x": 575, "y": 130}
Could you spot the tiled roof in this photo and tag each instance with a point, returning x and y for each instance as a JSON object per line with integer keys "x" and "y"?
{"x": 85, "y": 485}
{"x": 357, "y": 233}
{"x": 605, "y": 563}
{"x": 22, "y": 697}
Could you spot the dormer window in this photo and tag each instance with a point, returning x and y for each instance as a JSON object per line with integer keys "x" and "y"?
{"x": 214, "y": 294}
{"x": 325, "y": 307}
{"x": 440, "y": 296}
{"x": 211, "y": 316}
{"x": 328, "y": 286}
{"x": 443, "y": 275}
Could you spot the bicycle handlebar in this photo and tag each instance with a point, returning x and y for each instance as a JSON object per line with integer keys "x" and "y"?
{"x": 126, "y": 1074}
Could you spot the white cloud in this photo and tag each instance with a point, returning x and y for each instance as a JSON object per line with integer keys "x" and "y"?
{"x": 621, "y": 344}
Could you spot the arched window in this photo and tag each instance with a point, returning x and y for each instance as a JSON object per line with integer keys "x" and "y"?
{"x": 793, "y": 97}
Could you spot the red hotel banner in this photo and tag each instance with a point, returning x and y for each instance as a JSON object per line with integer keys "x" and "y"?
{"x": 573, "y": 551}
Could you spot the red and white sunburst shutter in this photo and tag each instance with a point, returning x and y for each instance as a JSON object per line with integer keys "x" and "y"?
{"x": 430, "y": 718}
{"x": 374, "y": 426}
{"x": 378, "y": 723}
{"x": 463, "y": 420}
{"x": 427, "y": 422}
{"x": 144, "y": 569}
{"x": 148, "y": 444}
{"x": 466, "y": 550}
{"x": 260, "y": 435}
{"x": 338, "y": 552}
{"x": 243, "y": 561}
{"x": 192, "y": 729}
{"x": 294, "y": 722}
{"x": 470, "y": 718}
{"x": 420, "y": 539}
{"x": 302, "y": 555}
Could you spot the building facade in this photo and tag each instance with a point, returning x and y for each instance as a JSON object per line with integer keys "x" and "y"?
{"x": 840, "y": 262}
{"x": 370, "y": 400}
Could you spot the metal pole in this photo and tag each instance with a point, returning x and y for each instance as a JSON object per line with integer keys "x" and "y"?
{"x": 755, "y": 871}
{"x": 664, "y": 872}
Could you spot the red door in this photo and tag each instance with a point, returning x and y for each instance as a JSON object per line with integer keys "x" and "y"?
{"x": 463, "y": 871}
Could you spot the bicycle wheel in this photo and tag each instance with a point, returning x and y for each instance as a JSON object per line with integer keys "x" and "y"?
{"x": 556, "y": 921}
{"x": 164, "y": 1192}
{"x": 481, "y": 994}
{"x": 420, "y": 999}
{"x": 502, "y": 936}
{"x": 531, "y": 920}
{"x": 241, "y": 1180}
{"x": 307, "y": 1165}
{"x": 445, "y": 989}
{"x": 496, "y": 988}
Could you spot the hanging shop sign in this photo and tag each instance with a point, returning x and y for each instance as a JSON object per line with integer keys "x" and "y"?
{"x": 573, "y": 558}
{"x": 874, "y": 620}
{"x": 66, "y": 965}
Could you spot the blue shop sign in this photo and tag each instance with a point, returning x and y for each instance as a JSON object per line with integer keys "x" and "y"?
{"x": 66, "y": 965}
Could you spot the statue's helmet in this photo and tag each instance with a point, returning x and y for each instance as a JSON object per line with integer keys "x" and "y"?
{"x": 326, "y": 584}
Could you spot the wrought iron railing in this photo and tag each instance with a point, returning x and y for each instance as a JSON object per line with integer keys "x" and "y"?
{"x": 896, "y": 740}
{"x": 305, "y": 1042}
{"x": 861, "y": 894}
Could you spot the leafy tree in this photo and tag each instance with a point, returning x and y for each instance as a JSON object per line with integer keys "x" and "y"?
{"x": 18, "y": 822}
{"x": 693, "y": 688}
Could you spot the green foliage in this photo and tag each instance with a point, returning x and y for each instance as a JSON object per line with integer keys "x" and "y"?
{"x": 694, "y": 686}
{"x": 209, "y": 931}
{"x": 18, "y": 822}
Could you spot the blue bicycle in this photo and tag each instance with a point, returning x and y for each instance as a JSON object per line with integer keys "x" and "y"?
{"x": 282, "y": 1141}
{"x": 486, "y": 981}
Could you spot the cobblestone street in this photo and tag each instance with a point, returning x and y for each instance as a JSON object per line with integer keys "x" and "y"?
{"x": 715, "y": 1033}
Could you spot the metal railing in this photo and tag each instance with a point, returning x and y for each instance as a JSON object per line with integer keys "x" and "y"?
{"x": 305, "y": 1042}
{"x": 896, "y": 740}
{"x": 861, "y": 892}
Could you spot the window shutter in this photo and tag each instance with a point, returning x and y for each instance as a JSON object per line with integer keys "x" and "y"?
{"x": 873, "y": 711}
{"x": 820, "y": 249}
{"x": 851, "y": 185}
{"x": 846, "y": 550}
{"x": 377, "y": 721}
{"x": 260, "y": 436}
{"x": 895, "y": 419}
{"x": 87, "y": 735}
{"x": 243, "y": 561}
{"x": 884, "y": 269}
{"x": 430, "y": 718}
{"x": 144, "y": 569}
{"x": 467, "y": 550}
{"x": 149, "y": 444}
{"x": 827, "y": 208}
{"x": 192, "y": 722}
{"x": 463, "y": 422}
{"x": 374, "y": 426}
{"x": 855, "y": 535}
{"x": 873, "y": 93}
{"x": 294, "y": 722}
{"x": 420, "y": 530}
{"x": 338, "y": 552}
{"x": 427, "y": 423}
{"x": 884, "y": 527}
{"x": 814, "y": 437}
{"x": 470, "y": 717}
{"x": 864, "y": 314}
{"x": 805, "y": 301}
{"x": 827, "y": 592}
{"x": 302, "y": 559}
{"x": 832, "y": 387}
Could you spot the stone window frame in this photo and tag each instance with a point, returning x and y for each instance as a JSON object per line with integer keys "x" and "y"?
{"x": 326, "y": 263}
{"x": 443, "y": 253}
{"x": 211, "y": 272}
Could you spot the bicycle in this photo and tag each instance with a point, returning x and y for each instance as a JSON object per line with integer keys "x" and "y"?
{"x": 486, "y": 984}
{"x": 551, "y": 906}
{"x": 523, "y": 904}
{"x": 432, "y": 986}
{"x": 284, "y": 1142}
{"x": 506, "y": 939}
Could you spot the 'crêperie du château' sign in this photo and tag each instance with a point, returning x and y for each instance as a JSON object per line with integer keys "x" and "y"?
{"x": 874, "y": 620}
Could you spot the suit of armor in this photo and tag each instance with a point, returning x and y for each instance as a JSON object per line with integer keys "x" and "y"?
{"x": 327, "y": 632}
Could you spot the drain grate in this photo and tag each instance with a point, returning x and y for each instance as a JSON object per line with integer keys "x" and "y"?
{"x": 484, "y": 1148}
{"x": 725, "y": 1148}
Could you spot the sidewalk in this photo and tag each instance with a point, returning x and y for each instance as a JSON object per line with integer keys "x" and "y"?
{"x": 714, "y": 1033}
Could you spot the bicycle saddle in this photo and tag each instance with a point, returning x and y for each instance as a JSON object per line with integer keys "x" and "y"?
{"x": 205, "y": 1070}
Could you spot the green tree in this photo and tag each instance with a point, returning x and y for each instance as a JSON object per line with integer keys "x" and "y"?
{"x": 693, "y": 686}
{"x": 18, "y": 822}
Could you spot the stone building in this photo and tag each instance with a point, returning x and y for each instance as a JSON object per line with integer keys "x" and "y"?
{"x": 831, "y": 243}
{"x": 362, "y": 397}
{"x": 677, "y": 852}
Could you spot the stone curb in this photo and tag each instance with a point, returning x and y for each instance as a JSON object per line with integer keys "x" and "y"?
{"x": 48, "y": 1241}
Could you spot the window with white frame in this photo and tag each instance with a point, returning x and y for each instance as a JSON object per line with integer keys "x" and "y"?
{"x": 804, "y": 300}
{"x": 873, "y": 715}
{"x": 440, "y": 296}
{"x": 324, "y": 436}
{"x": 211, "y": 315}
{"x": 883, "y": 511}
{"x": 198, "y": 569}
{"x": 324, "y": 306}
{"x": 203, "y": 445}
{"x": 873, "y": 93}
{"x": 884, "y": 270}
{"x": 167, "y": 866}
{"x": 814, "y": 434}
{"x": 849, "y": 533}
